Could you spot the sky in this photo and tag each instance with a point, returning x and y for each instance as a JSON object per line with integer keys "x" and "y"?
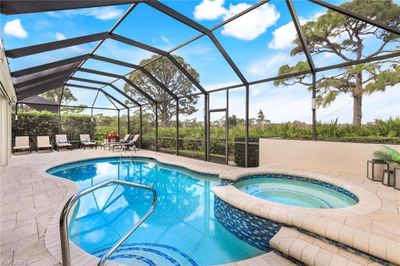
{"x": 259, "y": 43}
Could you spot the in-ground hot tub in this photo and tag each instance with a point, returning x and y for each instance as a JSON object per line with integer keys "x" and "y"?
{"x": 296, "y": 191}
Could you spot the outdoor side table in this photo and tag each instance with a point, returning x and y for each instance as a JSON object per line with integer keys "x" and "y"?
{"x": 75, "y": 144}
{"x": 388, "y": 177}
{"x": 375, "y": 169}
{"x": 396, "y": 178}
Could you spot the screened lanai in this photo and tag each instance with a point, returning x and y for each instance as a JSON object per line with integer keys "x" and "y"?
{"x": 220, "y": 62}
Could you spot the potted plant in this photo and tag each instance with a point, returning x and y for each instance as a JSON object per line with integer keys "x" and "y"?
{"x": 392, "y": 157}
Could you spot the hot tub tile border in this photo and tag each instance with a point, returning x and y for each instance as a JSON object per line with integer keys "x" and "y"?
{"x": 258, "y": 231}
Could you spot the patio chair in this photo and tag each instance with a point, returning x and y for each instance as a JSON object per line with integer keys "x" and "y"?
{"x": 133, "y": 143}
{"x": 43, "y": 142}
{"x": 121, "y": 143}
{"x": 126, "y": 138}
{"x": 85, "y": 141}
{"x": 22, "y": 143}
{"x": 62, "y": 142}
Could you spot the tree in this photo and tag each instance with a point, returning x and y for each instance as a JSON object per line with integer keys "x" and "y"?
{"x": 260, "y": 117}
{"x": 54, "y": 95}
{"x": 169, "y": 75}
{"x": 67, "y": 97}
{"x": 346, "y": 37}
{"x": 74, "y": 110}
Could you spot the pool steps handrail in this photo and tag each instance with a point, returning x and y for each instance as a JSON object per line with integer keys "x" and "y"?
{"x": 65, "y": 250}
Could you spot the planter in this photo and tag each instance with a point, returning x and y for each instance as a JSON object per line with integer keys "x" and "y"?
{"x": 388, "y": 178}
{"x": 375, "y": 169}
{"x": 396, "y": 178}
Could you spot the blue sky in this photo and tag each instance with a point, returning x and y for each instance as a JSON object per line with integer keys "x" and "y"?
{"x": 258, "y": 43}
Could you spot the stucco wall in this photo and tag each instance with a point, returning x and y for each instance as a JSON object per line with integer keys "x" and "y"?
{"x": 7, "y": 97}
{"x": 340, "y": 157}
{"x": 5, "y": 131}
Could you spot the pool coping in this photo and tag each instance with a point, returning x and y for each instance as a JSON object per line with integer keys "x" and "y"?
{"x": 332, "y": 228}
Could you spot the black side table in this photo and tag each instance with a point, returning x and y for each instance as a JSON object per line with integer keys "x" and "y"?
{"x": 75, "y": 144}
{"x": 375, "y": 169}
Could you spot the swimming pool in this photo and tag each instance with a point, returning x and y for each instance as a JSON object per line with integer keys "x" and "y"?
{"x": 297, "y": 191}
{"x": 181, "y": 231}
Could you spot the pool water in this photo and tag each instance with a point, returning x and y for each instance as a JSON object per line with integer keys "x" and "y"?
{"x": 181, "y": 231}
{"x": 297, "y": 191}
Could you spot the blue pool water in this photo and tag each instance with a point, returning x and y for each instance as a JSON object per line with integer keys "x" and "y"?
{"x": 181, "y": 231}
{"x": 297, "y": 191}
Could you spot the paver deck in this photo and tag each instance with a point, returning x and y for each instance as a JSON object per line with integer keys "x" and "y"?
{"x": 31, "y": 200}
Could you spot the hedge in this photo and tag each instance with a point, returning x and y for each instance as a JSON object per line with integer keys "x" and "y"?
{"x": 35, "y": 123}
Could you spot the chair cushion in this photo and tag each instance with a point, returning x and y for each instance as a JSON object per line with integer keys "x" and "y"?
{"x": 20, "y": 147}
{"x": 64, "y": 144}
{"x": 88, "y": 143}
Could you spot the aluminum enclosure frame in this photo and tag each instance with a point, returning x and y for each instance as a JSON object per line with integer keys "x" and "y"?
{"x": 50, "y": 79}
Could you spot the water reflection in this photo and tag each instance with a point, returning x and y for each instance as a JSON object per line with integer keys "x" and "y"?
{"x": 183, "y": 218}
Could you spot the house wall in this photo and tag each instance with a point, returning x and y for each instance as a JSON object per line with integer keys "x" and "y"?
{"x": 5, "y": 131}
{"x": 7, "y": 98}
{"x": 340, "y": 157}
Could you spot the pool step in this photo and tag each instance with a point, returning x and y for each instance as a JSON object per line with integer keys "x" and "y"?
{"x": 148, "y": 254}
{"x": 268, "y": 259}
{"x": 312, "y": 251}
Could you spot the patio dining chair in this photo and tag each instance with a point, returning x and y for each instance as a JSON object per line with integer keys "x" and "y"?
{"x": 22, "y": 143}
{"x": 85, "y": 141}
{"x": 43, "y": 142}
{"x": 62, "y": 142}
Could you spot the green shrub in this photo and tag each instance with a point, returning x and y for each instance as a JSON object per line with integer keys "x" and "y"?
{"x": 191, "y": 142}
{"x": 34, "y": 123}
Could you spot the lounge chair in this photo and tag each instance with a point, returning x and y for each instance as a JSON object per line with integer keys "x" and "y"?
{"x": 22, "y": 143}
{"x": 121, "y": 143}
{"x": 62, "y": 142}
{"x": 85, "y": 141}
{"x": 43, "y": 142}
{"x": 133, "y": 143}
{"x": 126, "y": 138}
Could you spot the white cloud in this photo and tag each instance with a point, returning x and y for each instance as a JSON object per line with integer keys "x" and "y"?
{"x": 209, "y": 10}
{"x": 59, "y": 36}
{"x": 102, "y": 13}
{"x": 281, "y": 104}
{"x": 15, "y": 28}
{"x": 263, "y": 66}
{"x": 253, "y": 24}
{"x": 284, "y": 36}
{"x": 247, "y": 27}
{"x": 105, "y": 13}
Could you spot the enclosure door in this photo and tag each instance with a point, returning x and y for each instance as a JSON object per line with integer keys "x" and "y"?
{"x": 218, "y": 149}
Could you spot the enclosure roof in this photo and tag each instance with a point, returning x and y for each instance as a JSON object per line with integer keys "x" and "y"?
{"x": 35, "y": 80}
{"x": 41, "y": 104}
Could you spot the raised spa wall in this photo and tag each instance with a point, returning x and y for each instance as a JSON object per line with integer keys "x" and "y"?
{"x": 339, "y": 157}
{"x": 258, "y": 231}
